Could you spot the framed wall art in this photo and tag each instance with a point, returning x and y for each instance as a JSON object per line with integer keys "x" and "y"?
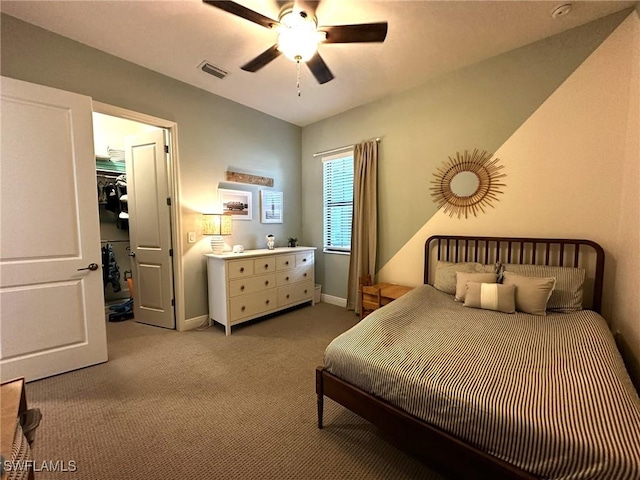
{"x": 271, "y": 206}
{"x": 237, "y": 203}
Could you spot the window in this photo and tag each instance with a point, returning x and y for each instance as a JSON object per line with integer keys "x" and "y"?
{"x": 337, "y": 180}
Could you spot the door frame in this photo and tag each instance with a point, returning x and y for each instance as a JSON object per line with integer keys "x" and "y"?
{"x": 173, "y": 173}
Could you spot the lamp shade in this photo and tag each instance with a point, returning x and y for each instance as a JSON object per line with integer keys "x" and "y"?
{"x": 216, "y": 224}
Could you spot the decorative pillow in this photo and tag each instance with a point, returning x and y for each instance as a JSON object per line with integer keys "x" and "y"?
{"x": 532, "y": 293}
{"x": 491, "y": 296}
{"x": 463, "y": 278}
{"x": 568, "y": 292}
{"x": 445, "y": 277}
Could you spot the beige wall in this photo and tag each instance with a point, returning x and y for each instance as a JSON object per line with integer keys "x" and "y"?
{"x": 476, "y": 107}
{"x": 214, "y": 135}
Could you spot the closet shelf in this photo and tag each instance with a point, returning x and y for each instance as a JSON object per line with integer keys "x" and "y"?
{"x": 110, "y": 166}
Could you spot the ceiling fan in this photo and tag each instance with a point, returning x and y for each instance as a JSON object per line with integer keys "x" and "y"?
{"x": 299, "y": 35}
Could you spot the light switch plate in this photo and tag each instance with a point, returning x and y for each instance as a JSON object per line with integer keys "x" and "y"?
{"x": 191, "y": 237}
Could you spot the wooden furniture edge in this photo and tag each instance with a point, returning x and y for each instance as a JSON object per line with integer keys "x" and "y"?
{"x": 10, "y": 414}
{"x": 442, "y": 450}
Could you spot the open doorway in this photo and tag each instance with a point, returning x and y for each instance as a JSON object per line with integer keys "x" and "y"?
{"x": 133, "y": 169}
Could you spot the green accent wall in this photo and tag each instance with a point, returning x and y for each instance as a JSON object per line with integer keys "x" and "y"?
{"x": 479, "y": 106}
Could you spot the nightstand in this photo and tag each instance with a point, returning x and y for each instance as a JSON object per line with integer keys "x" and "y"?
{"x": 375, "y": 296}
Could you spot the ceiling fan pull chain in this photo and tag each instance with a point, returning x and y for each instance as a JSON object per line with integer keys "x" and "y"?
{"x": 298, "y": 75}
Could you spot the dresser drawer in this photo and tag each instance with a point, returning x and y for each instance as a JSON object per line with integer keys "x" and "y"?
{"x": 264, "y": 265}
{"x": 303, "y": 259}
{"x": 242, "y": 286}
{"x": 295, "y": 293}
{"x": 240, "y": 268}
{"x": 285, "y": 262}
{"x": 295, "y": 275}
{"x": 254, "y": 304}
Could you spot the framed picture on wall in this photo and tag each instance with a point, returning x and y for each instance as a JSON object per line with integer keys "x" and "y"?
{"x": 235, "y": 202}
{"x": 271, "y": 206}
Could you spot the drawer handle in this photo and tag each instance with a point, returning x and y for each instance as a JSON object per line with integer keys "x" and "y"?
{"x": 305, "y": 291}
{"x": 304, "y": 259}
{"x": 241, "y": 269}
{"x": 287, "y": 279}
{"x": 243, "y": 308}
{"x": 288, "y": 295}
{"x": 266, "y": 282}
{"x": 287, "y": 262}
{"x": 305, "y": 274}
{"x": 266, "y": 265}
{"x": 241, "y": 287}
{"x": 267, "y": 302}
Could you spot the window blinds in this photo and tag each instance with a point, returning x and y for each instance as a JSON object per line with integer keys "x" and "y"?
{"x": 337, "y": 174}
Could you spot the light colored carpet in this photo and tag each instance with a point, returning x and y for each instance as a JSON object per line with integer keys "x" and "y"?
{"x": 204, "y": 406}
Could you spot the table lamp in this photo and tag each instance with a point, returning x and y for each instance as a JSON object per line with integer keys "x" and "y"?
{"x": 217, "y": 225}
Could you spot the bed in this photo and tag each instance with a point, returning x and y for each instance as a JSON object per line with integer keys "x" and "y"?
{"x": 480, "y": 393}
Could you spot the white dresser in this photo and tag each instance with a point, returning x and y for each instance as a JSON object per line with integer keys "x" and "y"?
{"x": 244, "y": 286}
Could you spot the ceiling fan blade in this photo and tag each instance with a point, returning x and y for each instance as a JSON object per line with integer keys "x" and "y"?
{"x": 261, "y": 60}
{"x": 320, "y": 69}
{"x": 364, "y": 32}
{"x": 243, "y": 12}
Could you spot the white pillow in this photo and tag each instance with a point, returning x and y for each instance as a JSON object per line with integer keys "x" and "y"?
{"x": 491, "y": 296}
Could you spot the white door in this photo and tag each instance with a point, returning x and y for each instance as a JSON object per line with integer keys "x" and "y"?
{"x": 150, "y": 229}
{"x": 51, "y": 294}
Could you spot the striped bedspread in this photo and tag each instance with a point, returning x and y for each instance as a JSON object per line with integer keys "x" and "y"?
{"x": 547, "y": 394}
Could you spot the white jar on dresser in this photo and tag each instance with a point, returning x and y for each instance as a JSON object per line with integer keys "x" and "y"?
{"x": 248, "y": 285}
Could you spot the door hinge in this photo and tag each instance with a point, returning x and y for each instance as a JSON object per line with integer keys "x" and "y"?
{"x": 169, "y": 201}
{"x": 171, "y": 252}
{"x": 166, "y": 149}
{"x": 173, "y": 302}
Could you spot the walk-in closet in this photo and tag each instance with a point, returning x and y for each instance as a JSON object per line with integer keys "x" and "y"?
{"x": 114, "y": 194}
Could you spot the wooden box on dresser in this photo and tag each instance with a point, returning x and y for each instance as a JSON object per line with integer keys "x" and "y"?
{"x": 248, "y": 285}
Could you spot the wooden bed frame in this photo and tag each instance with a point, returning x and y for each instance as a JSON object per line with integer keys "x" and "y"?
{"x": 443, "y": 451}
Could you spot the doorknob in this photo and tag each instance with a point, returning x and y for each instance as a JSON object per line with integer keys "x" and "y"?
{"x": 92, "y": 266}
{"x": 132, "y": 254}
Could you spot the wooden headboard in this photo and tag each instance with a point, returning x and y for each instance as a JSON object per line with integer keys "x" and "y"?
{"x": 536, "y": 251}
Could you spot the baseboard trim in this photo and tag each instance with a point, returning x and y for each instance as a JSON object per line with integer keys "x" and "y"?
{"x": 340, "y": 302}
{"x": 195, "y": 322}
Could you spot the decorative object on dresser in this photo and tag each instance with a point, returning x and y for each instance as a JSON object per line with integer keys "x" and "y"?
{"x": 467, "y": 184}
{"x": 292, "y": 242}
{"x": 271, "y": 242}
{"x": 217, "y": 225}
{"x": 236, "y": 203}
{"x": 271, "y": 206}
{"x": 255, "y": 283}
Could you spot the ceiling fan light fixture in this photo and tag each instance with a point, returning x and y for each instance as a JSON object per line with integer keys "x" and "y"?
{"x": 298, "y": 36}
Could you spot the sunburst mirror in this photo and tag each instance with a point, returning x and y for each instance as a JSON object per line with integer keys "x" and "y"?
{"x": 468, "y": 183}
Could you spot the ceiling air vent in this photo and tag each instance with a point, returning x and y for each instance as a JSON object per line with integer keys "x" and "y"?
{"x": 212, "y": 70}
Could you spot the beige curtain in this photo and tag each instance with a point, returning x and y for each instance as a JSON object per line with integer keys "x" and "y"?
{"x": 364, "y": 228}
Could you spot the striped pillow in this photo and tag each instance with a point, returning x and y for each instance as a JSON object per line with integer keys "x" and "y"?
{"x": 445, "y": 277}
{"x": 532, "y": 293}
{"x": 462, "y": 279}
{"x": 568, "y": 292}
{"x": 491, "y": 296}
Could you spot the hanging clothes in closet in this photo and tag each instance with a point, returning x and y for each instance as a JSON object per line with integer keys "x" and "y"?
{"x": 123, "y": 202}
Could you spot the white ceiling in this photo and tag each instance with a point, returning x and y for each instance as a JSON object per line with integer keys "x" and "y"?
{"x": 425, "y": 39}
